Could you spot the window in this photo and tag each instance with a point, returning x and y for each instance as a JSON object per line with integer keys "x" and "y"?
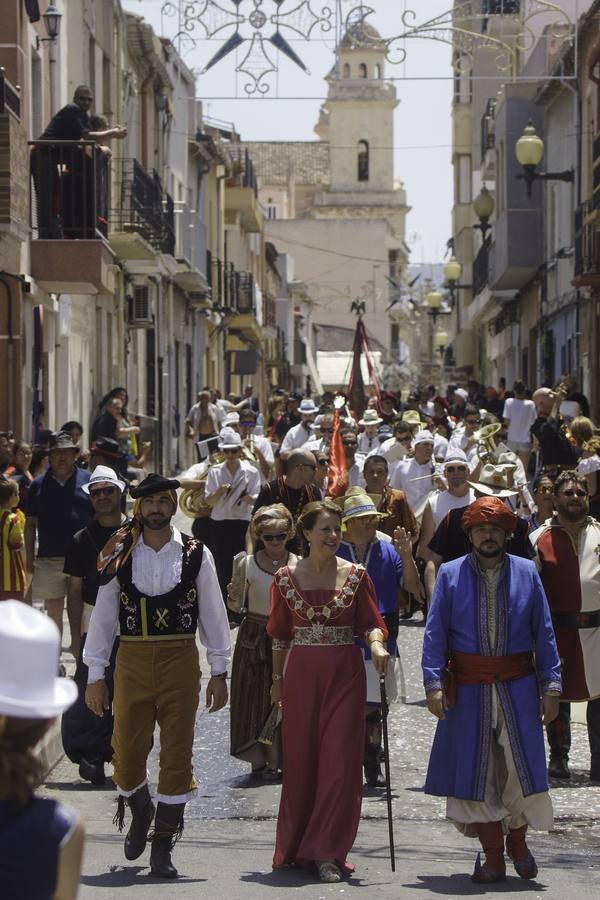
{"x": 378, "y": 71}
{"x": 362, "y": 70}
{"x": 463, "y": 179}
{"x": 37, "y": 125}
{"x": 271, "y": 209}
{"x": 395, "y": 338}
{"x": 150, "y": 372}
{"x": 463, "y": 88}
{"x": 106, "y": 86}
{"x": 92, "y": 65}
{"x": 346, "y": 70}
{"x": 363, "y": 161}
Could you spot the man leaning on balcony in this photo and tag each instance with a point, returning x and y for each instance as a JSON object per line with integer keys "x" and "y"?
{"x": 56, "y": 188}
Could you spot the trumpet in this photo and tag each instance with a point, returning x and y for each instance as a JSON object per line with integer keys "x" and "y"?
{"x": 486, "y": 445}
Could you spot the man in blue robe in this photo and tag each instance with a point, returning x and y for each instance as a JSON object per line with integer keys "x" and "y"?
{"x": 488, "y": 651}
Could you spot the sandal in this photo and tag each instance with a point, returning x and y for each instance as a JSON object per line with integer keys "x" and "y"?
{"x": 328, "y": 872}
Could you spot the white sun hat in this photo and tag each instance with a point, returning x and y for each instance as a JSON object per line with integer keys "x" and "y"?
{"x": 103, "y": 475}
{"x": 29, "y": 655}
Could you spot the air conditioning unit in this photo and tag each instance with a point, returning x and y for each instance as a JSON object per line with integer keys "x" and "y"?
{"x": 141, "y": 306}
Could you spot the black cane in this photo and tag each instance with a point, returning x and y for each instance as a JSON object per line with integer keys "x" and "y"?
{"x": 386, "y": 756}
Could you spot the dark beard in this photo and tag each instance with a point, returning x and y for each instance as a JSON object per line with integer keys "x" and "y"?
{"x": 574, "y": 516}
{"x": 489, "y": 553}
{"x": 156, "y": 524}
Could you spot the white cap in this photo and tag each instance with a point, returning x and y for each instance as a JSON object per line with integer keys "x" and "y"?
{"x": 423, "y": 437}
{"x": 307, "y": 407}
{"x": 462, "y": 393}
{"x": 228, "y": 439}
{"x": 29, "y": 655}
{"x": 455, "y": 455}
{"x": 232, "y": 418}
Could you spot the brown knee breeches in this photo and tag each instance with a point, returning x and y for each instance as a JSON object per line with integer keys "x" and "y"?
{"x": 156, "y": 681}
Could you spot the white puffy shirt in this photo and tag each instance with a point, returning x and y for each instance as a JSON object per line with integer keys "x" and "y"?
{"x": 157, "y": 573}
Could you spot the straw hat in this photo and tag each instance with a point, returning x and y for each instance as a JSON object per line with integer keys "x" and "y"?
{"x": 358, "y": 504}
{"x": 370, "y": 417}
{"x": 493, "y": 481}
{"x": 29, "y": 654}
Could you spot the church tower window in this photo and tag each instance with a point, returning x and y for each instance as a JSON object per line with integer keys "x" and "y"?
{"x": 378, "y": 71}
{"x": 362, "y": 70}
{"x": 363, "y": 161}
{"x": 346, "y": 70}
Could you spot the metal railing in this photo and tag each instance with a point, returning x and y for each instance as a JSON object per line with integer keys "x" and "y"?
{"x": 10, "y": 101}
{"x": 145, "y": 207}
{"x": 244, "y": 172}
{"x": 587, "y": 240}
{"x": 70, "y": 190}
{"x": 269, "y": 311}
{"x": 500, "y": 7}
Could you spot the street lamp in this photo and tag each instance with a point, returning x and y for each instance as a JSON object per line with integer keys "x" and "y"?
{"x": 483, "y": 207}
{"x": 434, "y": 302}
{"x": 440, "y": 341}
{"x": 452, "y": 273}
{"x": 529, "y": 150}
{"x": 51, "y": 18}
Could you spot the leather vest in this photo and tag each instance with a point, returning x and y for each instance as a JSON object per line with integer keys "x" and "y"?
{"x": 166, "y": 617}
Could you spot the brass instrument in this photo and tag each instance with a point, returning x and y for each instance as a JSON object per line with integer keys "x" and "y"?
{"x": 486, "y": 445}
{"x": 191, "y": 500}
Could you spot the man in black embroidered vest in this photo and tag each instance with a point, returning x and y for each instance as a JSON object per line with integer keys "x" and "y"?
{"x": 87, "y": 738}
{"x": 161, "y": 587}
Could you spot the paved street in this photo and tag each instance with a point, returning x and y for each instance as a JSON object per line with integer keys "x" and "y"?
{"x": 228, "y": 841}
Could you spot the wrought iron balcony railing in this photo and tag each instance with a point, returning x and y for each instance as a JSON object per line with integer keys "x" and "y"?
{"x": 488, "y": 127}
{"x": 481, "y": 269}
{"x": 587, "y": 243}
{"x": 145, "y": 207}
{"x": 70, "y": 191}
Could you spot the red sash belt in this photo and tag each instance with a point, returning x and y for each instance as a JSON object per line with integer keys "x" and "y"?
{"x": 471, "y": 668}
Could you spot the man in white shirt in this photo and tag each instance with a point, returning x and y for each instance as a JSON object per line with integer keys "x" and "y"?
{"x": 395, "y": 448}
{"x": 160, "y": 587}
{"x": 415, "y": 476}
{"x": 231, "y": 489}
{"x": 322, "y": 434}
{"x": 367, "y": 439}
{"x": 354, "y": 462}
{"x": 300, "y": 434}
{"x": 519, "y": 415}
{"x": 458, "y": 494}
{"x": 256, "y": 445}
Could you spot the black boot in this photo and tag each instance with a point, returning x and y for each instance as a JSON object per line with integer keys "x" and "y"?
{"x": 92, "y": 770}
{"x": 142, "y": 812}
{"x": 371, "y": 763}
{"x": 168, "y": 826}
{"x": 558, "y": 766}
{"x": 559, "y": 739}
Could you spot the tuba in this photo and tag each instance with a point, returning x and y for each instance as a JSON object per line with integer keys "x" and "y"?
{"x": 191, "y": 500}
{"x": 486, "y": 445}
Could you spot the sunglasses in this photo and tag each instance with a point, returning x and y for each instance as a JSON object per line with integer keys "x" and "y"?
{"x": 102, "y": 492}
{"x": 323, "y": 462}
{"x": 280, "y": 536}
{"x": 545, "y": 490}
{"x": 231, "y": 450}
{"x": 326, "y": 430}
{"x": 454, "y": 469}
{"x": 350, "y": 444}
{"x": 574, "y": 494}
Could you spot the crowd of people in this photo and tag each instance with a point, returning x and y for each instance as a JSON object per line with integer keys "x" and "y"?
{"x": 315, "y": 531}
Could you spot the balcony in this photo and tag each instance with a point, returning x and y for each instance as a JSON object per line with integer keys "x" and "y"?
{"x": 269, "y": 311}
{"x": 69, "y": 217}
{"x": 143, "y": 224}
{"x": 190, "y": 249}
{"x": 14, "y": 174}
{"x": 587, "y": 245}
{"x": 239, "y": 292}
{"x": 241, "y": 192}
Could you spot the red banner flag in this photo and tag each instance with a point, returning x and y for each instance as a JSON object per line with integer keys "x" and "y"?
{"x": 337, "y": 473}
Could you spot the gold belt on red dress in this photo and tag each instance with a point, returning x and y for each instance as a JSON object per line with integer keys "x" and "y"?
{"x": 324, "y": 635}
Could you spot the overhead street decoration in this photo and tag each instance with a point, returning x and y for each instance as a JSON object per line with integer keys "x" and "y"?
{"x": 257, "y": 30}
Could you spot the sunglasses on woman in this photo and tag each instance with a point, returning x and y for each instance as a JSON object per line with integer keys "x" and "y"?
{"x": 280, "y": 536}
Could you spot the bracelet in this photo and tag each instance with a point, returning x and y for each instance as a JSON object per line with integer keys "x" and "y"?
{"x": 277, "y": 677}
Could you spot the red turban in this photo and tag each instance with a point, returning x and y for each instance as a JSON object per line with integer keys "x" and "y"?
{"x": 489, "y": 511}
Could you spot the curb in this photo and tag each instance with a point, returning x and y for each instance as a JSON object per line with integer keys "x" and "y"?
{"x": 50, "y": 751}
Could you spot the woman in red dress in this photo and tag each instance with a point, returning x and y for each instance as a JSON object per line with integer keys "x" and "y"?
{"x": 318, "y": 606}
